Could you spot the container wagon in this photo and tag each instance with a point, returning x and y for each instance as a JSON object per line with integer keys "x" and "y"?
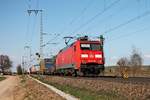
{"x": 47, "y": 66}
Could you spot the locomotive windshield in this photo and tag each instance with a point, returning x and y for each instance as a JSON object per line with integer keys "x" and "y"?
{"x": 90, "y": 46}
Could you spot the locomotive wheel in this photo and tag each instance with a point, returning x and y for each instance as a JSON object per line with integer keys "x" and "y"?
{"x": 74, "y": 73}
{"x": 85, "y": 73}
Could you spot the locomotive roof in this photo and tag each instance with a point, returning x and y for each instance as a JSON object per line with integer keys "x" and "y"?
{"x": 67, "y": 47}
{"x": 88, "y": 41}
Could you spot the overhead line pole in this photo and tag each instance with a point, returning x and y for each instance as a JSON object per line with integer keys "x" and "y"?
{"x": 29, "y": 47}
{"x": 36, "y": 11}
{"x": 41, "y": 36}
{"x": 23, "y": 65}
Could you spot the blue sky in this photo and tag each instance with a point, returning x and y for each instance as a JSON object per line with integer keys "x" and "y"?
{"x": 72, "y": 17}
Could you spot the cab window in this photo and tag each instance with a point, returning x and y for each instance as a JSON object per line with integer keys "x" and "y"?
{"x": 92, "y": 46}
{"x": 85, "y": 46}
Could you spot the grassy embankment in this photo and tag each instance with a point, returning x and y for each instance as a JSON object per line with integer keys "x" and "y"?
{"x": 2, "y": 78}
{"x": 83, "y": 93}
{"x": 29, "y": 89}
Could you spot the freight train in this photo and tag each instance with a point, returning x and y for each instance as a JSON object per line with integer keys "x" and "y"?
{"x": 47, "y": 66}
{"x": 34, "y": 69}
{"x": 82, "y": 57}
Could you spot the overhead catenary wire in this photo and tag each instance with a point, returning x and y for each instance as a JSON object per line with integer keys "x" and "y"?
{"x": 128, "y": 34}
{"x": 107, "y": 18}
{"x": 28, "y": 3}
{"x": 31, "y": 23}
{"x": 36, "y": 11}
{"x": 33, "y": 28}
{"x": 139, "y": 16}
{"x": 82, "y": 12}
{"x": 75, "y": 19}
{"x": 111, "y": 29}
{"x": 127, "y": 22}
{"x": 37, "y": 4}
{"x": 27, "y": 30}
{"x": 49, "y": 42}
{"x": 95, "y": 16}
{"x": 34, "y": 20}
{"x": 27, "y": 34}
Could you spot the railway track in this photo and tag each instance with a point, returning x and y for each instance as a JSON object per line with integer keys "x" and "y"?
{"x": 130, "y": 80}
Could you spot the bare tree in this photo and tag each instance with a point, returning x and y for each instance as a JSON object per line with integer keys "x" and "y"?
{"x": 123, "y": 64}
{"x": 130, "y": 66}
{"x": 136, "y": 61}
{"x": 5, "y": 63}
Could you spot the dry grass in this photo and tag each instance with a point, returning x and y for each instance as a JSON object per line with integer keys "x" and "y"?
{"x": 121, "y": 90}
{"x": 132, "y": 72}
{"x": 29, "y": 89}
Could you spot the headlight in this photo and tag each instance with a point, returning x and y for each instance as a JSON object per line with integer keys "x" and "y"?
{"x": 84, "y": 55}
{"x": 98, "y": 56}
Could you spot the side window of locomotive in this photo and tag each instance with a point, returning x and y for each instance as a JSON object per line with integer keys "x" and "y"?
{"x": 95, "y": 47}
{"x": 85, "y": 46}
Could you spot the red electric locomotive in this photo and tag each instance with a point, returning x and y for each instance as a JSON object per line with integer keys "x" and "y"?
{"x": 84, "y": 57}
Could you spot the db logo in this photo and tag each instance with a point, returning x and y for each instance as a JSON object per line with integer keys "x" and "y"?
{"x": 91, "y": 56}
